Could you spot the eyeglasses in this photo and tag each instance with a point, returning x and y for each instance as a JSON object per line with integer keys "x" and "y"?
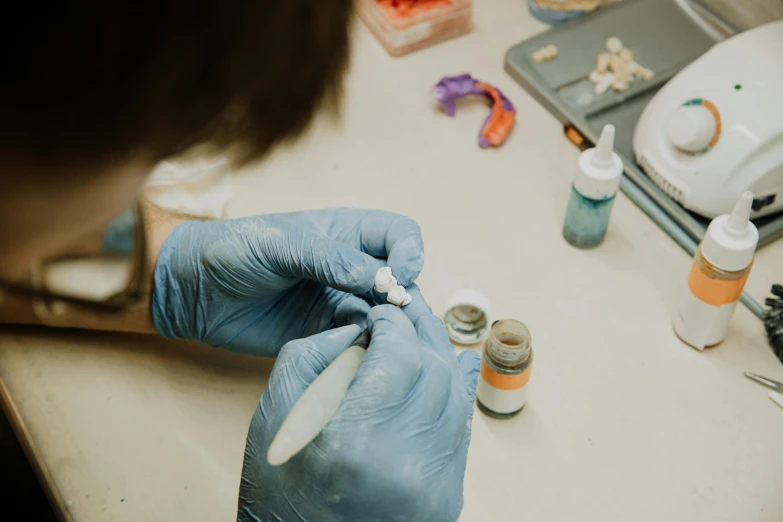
{"x": 107, "y": 278}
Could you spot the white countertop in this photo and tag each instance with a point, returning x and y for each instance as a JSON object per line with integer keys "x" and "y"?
{"x": 623, "y": 423}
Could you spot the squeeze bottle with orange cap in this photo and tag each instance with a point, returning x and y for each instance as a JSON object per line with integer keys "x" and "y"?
{"x": 718, "y": 275}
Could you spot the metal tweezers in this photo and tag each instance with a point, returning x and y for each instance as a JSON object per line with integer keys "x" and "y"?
{"x": 777, "y": 387}
{"x": 769, "y": 383}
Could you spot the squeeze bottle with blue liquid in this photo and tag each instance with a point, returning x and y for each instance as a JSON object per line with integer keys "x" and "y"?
{"x": 592, "y": 193}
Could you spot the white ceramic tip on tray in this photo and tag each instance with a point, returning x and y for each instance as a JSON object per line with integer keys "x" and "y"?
{"x": 777, "y": 398}
{"x": 605, "y": 147}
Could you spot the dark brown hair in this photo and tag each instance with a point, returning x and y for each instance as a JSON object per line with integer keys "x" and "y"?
{"x": 88, "y": 81}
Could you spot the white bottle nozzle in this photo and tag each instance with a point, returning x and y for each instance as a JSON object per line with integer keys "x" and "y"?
{"x": 740, "y": 216}
{"x": 600, "y": 168}
{"x": 605, "y": 146}
{"x": 731, "y": 239}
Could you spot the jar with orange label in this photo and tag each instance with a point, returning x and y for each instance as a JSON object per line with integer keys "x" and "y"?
{"x": 506, "y": 363}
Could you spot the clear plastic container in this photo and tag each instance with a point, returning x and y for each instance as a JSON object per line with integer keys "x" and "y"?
{"x": 425, "y": 23}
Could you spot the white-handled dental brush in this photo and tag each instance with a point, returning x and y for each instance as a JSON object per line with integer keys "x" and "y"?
{"x": 320, "y": 401}
{"x": 318, "y": 404}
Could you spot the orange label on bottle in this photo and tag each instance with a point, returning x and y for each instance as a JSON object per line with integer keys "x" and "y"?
{"x": 503, "y": 381}
{"x": 715, "y": 292}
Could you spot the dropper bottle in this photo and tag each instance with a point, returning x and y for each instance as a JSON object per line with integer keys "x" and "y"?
{"x": 718, "y": 275}
{"x": 592, "y": 193}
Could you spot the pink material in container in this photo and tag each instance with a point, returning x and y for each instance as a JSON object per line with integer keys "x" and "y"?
{"x": 403, "y": 26}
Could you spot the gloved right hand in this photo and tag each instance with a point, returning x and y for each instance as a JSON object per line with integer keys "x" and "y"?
{"x": 397, "y": 447}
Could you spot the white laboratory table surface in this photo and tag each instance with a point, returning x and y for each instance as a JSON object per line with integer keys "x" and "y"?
{"x": 623, "y": 422}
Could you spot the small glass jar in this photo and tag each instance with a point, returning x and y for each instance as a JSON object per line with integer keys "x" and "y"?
{"x": 506, "y": 364}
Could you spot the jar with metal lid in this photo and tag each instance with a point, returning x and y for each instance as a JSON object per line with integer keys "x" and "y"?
{"x": 506, "y": 364}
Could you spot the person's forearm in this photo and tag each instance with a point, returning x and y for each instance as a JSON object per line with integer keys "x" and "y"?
{"x": 158, "y": 225}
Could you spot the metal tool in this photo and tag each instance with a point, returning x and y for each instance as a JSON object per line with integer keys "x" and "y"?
{"x": 777, "y": 398}
{"x": 769, "y": 383}
{"x": 777, "y": 387}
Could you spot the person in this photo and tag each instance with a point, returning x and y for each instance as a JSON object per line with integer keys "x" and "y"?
{"x": 95, "y": 95}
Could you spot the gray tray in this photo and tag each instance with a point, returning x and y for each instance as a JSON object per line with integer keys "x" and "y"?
{"x": 665, "y": 36}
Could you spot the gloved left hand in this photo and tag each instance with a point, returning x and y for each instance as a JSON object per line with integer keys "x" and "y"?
{"x": 253, "y": 284}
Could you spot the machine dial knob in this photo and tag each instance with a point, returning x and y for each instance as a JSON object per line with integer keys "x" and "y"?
{"x": 692, "y": 128}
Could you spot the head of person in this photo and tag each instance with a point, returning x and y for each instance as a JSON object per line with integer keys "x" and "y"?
{"x": 94, "y": 94}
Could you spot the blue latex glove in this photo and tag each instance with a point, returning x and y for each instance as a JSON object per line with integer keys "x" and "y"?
{"x": 253, "y": 284}
{"x": 395, "y": 450}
